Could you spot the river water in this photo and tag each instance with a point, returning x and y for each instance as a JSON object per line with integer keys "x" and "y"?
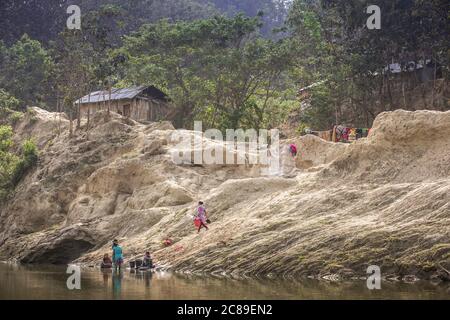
{"x": 50, "y": 282}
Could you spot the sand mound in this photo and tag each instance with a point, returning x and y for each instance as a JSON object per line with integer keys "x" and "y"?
{"x": 335, "y": 209}
{"x": 403, "y": 146}
{"x": 41, "y": 126}
{"x": 314, "y": 151}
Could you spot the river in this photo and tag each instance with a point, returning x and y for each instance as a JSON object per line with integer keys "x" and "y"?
{"x": 50, "y": 282}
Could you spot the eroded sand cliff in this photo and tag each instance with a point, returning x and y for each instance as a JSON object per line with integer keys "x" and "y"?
{"x": 335, "y": 209}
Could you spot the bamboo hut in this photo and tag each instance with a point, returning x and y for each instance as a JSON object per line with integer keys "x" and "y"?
{"x": 141, "y": 103}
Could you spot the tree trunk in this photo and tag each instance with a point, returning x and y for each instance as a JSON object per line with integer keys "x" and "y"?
{"x": 78, "y": 115}
{"x": 434, "y": 83}
{"x": 109, "y": 100}
{"x": 381, "y": 95}
{"x": 88, "y": 115}
{"x": 88, "y": 112}
{"x": 391, "y": 102}
{"x": 104, "y": 100}
{"x": 403, "y": 92}
{"x": 58, "y": 110}
{"x": 71, "y": 123}
{"x": 336, "y": 120}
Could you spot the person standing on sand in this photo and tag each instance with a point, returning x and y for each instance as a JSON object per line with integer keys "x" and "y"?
{"x": 117, "y": 256}
{"x": 201, "y": 216}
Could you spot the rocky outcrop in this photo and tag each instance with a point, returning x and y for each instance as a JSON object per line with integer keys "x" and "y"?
{"x": 333, "y": 210}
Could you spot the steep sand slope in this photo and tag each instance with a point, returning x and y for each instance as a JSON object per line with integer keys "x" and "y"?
{"x": 335, "y": 209}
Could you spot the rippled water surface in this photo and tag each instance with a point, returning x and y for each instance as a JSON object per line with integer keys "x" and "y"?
{"x": 49, "y": 282}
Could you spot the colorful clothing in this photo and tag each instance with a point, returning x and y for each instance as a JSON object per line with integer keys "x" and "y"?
{"x": 117, "y": 255}
{"x": 352, "y": 134}
{"x": 201, "y": 213}
{"x": 202, "y": 224}
{"x": 342, "y": 133}
{"x": 293, "y": 149}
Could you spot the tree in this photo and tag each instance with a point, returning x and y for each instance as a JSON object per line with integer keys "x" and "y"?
{"x": 336, "y": 49}
{"x": 83, "y": 61}
{"x": 273, "y": 12}
{"x": 7, "y": 101}
{"x": 73, "y": 76}
{"x": 44, "y": 20}
{"x": 27, "y": 68}
{"x": 215, "y": 70}
{"x": 13, "y": 167}
{"x": 8, "y": 161}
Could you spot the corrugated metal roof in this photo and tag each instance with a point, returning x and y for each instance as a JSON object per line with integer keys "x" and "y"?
{"x": 116, "y": 94}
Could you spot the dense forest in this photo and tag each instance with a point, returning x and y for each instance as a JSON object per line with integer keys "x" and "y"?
{"x": 43, "y": 20}
{"x": 309, "y": 63}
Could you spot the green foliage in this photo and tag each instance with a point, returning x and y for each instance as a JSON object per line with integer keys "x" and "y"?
{"x": 5, "y": 138}
{"x": 15, "y": 117}
{"x": 273, "y": 12}
{"x": 335, "y": 46}
{"x": 44, "y": 19}
{"x": 220, "y": 69}
{"x": 29, "y": 159}
{"x": 29, "y": 151}
{"x": 13, "y": 167}
{"x": 7, "y": 101}
{"x": 217, "y": 70}
{"x": 301, "y": 128}
{"x": 8, "y": 105}
{"x": 26, "y": 71}
{"x": 31, "y": 115}
{"x": 8, "y": 161}
{"x": 319, "y": 114}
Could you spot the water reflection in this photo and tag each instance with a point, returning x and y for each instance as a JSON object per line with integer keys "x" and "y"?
{"x": 49, "y": 282}
{"x": 106, "y": 275}
{"x": 142, "y": 276}
{"x": 117, "y": 276}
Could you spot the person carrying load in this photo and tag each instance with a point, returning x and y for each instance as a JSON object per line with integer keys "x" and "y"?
{"x": 200, "y": 217}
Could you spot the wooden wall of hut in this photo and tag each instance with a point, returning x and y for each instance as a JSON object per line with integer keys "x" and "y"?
{"x": 141, "y": 109}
